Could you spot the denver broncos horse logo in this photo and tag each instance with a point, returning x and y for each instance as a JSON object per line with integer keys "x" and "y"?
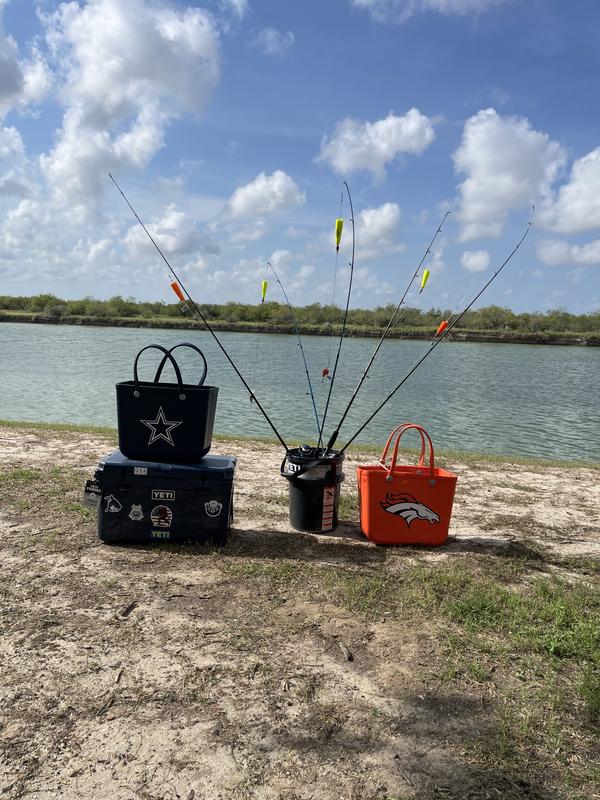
{"x": 408, "y": 507}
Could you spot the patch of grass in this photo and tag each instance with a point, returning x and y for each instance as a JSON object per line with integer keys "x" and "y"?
{"x": 585, "y": 565}
{"x": 279, "y": 572}
{"x": 557, "y": 618}
{"x": 58, "y": 426}
{"x": 21, "y": 475}
{"x": 370, "y": 595}
{"x": 348, "y": 509}
{"x": 87, "y": 513}
{"x": 589, "y": 691}
{"x": 361, "y": 451}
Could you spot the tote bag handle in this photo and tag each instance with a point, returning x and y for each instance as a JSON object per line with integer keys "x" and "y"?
{"x": 424, "y": 433}
{"x": 168, "y": 355}
{"x": 183, "y": 344}
{"x": 400, "y": 428}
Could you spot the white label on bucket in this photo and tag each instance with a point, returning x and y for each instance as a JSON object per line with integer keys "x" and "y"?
{"x": 328, "y": 508}
{"x": 316, "y": 473}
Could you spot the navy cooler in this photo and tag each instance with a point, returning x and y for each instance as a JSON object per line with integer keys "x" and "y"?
{"x": 144, "y": 501}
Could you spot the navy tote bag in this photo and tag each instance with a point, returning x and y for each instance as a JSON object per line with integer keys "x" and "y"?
{"x": 167, "y": 422}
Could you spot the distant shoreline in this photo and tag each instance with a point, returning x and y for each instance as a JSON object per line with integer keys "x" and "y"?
{"x": 497, "y": 337}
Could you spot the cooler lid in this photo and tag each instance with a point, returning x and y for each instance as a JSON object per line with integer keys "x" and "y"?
{"x": 208, "y": 467}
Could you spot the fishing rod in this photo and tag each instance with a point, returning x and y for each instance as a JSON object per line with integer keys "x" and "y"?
{"x": 337, "y": 358}
{"x": 443, "y": 332}
{"x": 300, "y": 345}
{"x": 180, "y": 291}
{"x": 336, "y": 432}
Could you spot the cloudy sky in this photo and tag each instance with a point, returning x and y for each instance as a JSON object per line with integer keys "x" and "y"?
{"x": 231, "y": 125}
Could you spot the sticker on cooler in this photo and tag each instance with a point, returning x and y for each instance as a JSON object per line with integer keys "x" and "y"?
{"x": 213, "y": 508}
{"x": 161, "y": 517}
{"x": 136, "y": 514}
{"x": 328, "y": 508}
{"x": 163, "y": 494}
{"x": 112, "y": 505}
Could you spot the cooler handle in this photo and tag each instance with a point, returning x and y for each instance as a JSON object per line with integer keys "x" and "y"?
{"x": 168, "y": 355}
{"x": 183, "y": 344}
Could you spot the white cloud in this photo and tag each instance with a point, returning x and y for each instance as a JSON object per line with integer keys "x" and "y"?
{"x": 475, "y": 260}
{"x": 126, "y": 70}
{"x": 577, "y": 207}
{"x": 508, "y": 165}
{"x": 371, "y": 146}
{"x": 281, "y": 259}
{"x": 11, "y": 74}
{"x": 37, "y": 79}
{"x": 400, "y": 10}
{"x": 101, "y": 251}
{"x": 175, "y": 233}
{"x": 266, "y": 194}
{"x": 556, "y": 252}
{"x": 239, "y": 8}
{"x": 21, "y": 81}
{"x": 11, "y": 144}
{"x": 14, "y": 168}
{"x": 251, "y": 232}
{"x": 368, "y": 286}
{"x": 273, "y": 42}
{"x": 375, "y": 231}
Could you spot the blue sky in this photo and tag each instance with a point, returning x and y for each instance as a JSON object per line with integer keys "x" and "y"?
{"x": 232, "y": 124}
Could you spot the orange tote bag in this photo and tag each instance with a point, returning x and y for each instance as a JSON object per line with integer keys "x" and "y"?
{"x": 405, "y": 504}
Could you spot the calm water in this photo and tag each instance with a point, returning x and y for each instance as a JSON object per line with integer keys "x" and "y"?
{"x": 513, "y": 399}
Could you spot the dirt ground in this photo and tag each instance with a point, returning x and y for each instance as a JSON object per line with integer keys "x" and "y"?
{"x": 279, "y": 667}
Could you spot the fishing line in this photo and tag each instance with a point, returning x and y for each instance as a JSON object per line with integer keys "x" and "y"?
{"x": 300, "y": 345}
{"x": 337, "y": 358}
{"x": 180, "y": 291}
{"x": 263, "y": 294}
{"x": 336, "y": 432}
{"x": 438, "y": 340}
{"x": 339, "y": 225}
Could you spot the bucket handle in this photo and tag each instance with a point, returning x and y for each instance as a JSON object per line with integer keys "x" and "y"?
{"x": 400, "y": 428}
{"x": 316, "y": 462}
{"x": 183, "y": 344}
{"x": 168, "y": 355}
{"x": 424, "y": 433}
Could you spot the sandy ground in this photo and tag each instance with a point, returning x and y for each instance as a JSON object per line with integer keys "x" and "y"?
{"x": 164, "y": 673}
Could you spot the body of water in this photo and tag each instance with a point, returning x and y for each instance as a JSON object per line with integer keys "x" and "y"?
{"x": 531, "y": 400}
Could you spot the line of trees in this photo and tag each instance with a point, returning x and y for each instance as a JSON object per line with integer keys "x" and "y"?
{"x": 272, "y": 314}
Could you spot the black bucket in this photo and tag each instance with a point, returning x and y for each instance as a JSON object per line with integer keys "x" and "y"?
{"x": 314, "y": 481}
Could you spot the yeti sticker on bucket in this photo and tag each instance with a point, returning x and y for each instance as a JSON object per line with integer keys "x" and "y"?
{"x": 409, "y": 508}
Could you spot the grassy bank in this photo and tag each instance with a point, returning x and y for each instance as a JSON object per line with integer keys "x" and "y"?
{"x": 470, "y": 458}
{"x": 421, "y": 333}
{"x": 294, "y": 665}
{"x": 490, "y": 323}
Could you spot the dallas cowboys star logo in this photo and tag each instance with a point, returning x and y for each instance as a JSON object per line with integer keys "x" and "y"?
{"x": 161, "y": 428}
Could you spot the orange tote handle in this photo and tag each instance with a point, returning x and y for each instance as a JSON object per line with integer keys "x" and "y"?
{"x": 399, "y": 429}
{"x": 424, "y": 433}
